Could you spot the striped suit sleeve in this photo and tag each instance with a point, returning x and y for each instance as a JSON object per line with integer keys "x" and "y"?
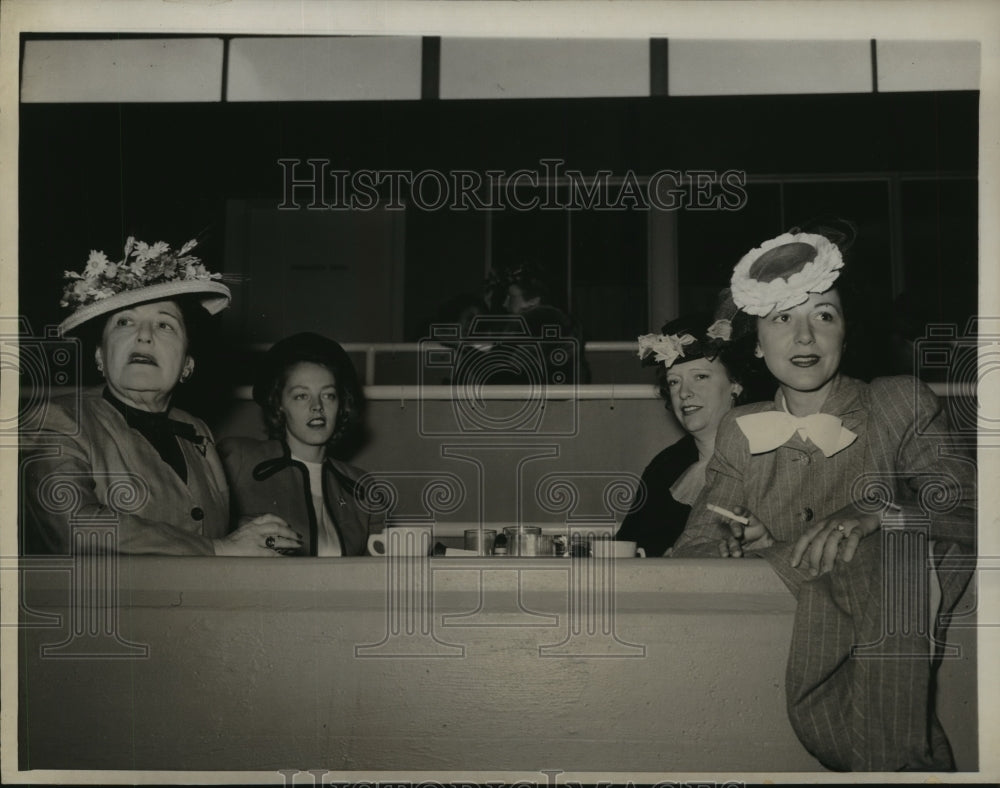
{"x": 723, "y": 487}
{"x": 936, "y": 476}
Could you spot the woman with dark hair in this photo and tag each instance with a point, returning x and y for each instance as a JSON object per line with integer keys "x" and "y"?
{"x": 835, "y": 483}
{"x": 313, "y": 406}
{"x": 700, "y": 374}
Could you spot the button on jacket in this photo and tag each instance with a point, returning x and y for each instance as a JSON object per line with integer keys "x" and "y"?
{"x": 84, "y": 454}
{"x": 900, "y": 426}
{"x": 859, "y": 680}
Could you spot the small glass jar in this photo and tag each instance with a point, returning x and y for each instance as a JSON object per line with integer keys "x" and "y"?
{"x": 523, "y": 540}
{"x": 481, "y": 540}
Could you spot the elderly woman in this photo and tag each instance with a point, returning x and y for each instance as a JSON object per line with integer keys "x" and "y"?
{"x": 127, "y": 433}
{"x": 700, "y": 376}
{"x": 312, "y": 404}
{"x": 825, "y": 482}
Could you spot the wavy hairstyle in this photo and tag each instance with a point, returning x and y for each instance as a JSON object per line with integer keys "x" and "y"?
{"x": 315, "y": 349}
{"x": 856, "y": 307}
{"x": 736, "y": 356}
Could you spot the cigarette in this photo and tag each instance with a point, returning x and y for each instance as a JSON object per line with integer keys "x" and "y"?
{"x": 731, "y": 515}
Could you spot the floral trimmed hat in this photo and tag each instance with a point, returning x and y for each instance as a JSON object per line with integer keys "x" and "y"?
{"x": 685, "y": 339}
{"x": 147, "y": 272}
{"x": 782, "y": 272}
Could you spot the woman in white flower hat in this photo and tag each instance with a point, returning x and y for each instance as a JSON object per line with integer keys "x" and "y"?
{"x": 831, "y": 482}
{"x": 700, "y": 375}
{"x": 123, "y": 449}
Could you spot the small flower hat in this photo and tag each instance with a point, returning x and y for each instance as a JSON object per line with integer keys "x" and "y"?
{"x": 685, "y": 339}
{"x": 782, "y": 272}
{"x": 147, "y": 272}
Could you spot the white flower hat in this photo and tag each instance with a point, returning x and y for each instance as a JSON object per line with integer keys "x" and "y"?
{"x": 805, "y": 262}
{"x": 664, "y": 348}
{"x": 147, "y": 272}
{"x": 685, "y": 338}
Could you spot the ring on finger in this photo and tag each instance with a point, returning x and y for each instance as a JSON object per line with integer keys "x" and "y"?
{"x": 269, "y": 543}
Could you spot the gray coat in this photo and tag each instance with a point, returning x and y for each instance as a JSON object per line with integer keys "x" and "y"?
{"x": 859, "y": 677}
{"x": 85, "y": 461}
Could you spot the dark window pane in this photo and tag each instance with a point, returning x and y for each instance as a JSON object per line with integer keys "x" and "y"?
{"x": 538, "y": 237}
{"x": 710, "y": 243}
{"x": 445, "y": 258}
{"x": 940, "y": 248}
{"x": 609, "y": 273}
{"x": 940, "y": 270}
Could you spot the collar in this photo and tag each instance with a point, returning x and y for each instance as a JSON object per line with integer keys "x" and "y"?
{"x": 835, "y": 427}
{"x": 153, "y": 423}
{"x": 846, "y": 400}
{"x": 269, "y": 467}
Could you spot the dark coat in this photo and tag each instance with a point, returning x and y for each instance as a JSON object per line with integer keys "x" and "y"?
{"x": 655, "y": 519}
{"x": 264, "y": 479}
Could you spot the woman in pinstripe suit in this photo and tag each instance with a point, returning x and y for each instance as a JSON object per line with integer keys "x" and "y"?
{"x": 832, "y": 482}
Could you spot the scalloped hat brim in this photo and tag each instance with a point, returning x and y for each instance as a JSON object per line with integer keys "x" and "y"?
{"x": 215, "y": 297}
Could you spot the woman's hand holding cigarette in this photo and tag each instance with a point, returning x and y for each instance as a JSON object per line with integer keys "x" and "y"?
{"x": 746, "y": 532}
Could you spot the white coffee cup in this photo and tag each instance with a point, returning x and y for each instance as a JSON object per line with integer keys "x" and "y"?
{"x": 612, "y": 548}
{"x": 408, "y": 540}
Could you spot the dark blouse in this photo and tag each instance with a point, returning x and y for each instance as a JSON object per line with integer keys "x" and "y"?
{"x": 161, "y": 431}
{"x": 659, "y": 520}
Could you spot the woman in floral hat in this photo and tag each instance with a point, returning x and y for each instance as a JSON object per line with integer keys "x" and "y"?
{"x": 832, "y": 482}
{"x": 700, "y": 376}
{"x": 122, "y": 451}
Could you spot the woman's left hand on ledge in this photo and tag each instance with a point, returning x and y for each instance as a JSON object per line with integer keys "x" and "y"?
{"x": 834, "y": 538}
{"x": 258, "y": 536}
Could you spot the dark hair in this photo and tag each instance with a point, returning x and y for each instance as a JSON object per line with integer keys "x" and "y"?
{"x": 732, "y": 355}
{"x": 530, "y": 278}
{"x": 313, "y": 349}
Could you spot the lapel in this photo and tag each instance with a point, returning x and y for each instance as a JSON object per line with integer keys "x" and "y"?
{"x": 848, "y": 402}
{"x": 139, "y": 456}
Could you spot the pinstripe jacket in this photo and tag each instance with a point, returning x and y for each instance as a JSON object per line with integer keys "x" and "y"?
{"x": 902, "y": 445}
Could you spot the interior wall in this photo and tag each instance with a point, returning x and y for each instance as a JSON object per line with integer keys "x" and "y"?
{"x": 505, "y": 476}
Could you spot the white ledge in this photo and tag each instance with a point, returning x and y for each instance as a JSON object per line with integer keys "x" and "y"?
{"x": 583, "y": 391}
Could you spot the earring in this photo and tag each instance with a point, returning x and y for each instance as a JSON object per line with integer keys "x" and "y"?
{"x": 758, "y": 352}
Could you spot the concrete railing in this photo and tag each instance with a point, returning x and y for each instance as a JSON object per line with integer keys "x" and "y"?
{"x": 432, "y": 664}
